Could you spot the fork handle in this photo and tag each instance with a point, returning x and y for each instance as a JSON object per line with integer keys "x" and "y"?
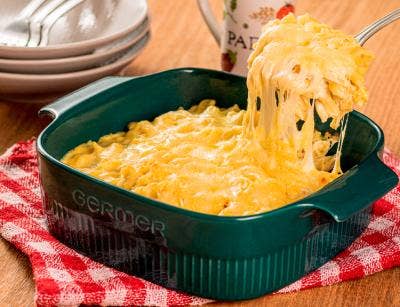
{"x": 35, "y": 22}
{"x": 30, "y": 9}
{"x": 51, "y": 19}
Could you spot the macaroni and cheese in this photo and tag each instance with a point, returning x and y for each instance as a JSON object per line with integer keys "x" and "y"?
{"x": 240, "y": 162}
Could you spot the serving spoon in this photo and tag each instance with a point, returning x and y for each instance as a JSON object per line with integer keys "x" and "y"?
{"x": 374, "y": 27}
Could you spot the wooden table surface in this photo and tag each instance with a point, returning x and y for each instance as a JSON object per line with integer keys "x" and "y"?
{"x": 180, "y": 38}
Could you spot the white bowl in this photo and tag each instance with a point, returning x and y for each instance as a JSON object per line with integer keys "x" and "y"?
{"x": 71, "y": 64}
{"x": 88, "y": 26}
{"x": 18, "y": 84}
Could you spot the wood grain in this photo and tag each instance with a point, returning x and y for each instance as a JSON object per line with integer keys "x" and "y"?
{"x": 180, "y": 38}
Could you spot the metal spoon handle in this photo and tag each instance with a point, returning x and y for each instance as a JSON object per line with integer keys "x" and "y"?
{"x": 367, "y": 32}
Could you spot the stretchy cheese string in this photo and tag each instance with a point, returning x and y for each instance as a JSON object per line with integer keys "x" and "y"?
{"x": 299, "y": 66}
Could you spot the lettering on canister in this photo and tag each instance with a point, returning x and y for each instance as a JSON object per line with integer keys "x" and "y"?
{"x": 240, "y": 41}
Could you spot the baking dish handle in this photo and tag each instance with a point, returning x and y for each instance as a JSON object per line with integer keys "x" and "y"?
{"x": 356, "y": 189}
{"x": 55, "y": 109}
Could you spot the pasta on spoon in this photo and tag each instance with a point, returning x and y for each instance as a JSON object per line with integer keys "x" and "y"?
{"x": 300, "y": 69}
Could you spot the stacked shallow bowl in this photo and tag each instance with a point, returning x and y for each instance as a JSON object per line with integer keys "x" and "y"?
{"x": 90, "y": 40}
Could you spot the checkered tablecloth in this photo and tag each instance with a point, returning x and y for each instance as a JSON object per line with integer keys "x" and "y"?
{"x": 64, "y": 277}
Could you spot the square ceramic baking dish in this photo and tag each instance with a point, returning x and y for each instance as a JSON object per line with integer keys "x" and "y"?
{"x": 225, "y": 258}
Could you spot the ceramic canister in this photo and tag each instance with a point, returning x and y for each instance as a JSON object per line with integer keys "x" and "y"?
{"x": 242, "y": 23}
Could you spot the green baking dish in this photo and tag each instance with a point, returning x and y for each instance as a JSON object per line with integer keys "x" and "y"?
{"x": 225, "y": 258}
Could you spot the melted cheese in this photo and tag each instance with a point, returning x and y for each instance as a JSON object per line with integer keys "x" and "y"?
{"x": 241, "y": 162}
{"x": 301, "y": 67}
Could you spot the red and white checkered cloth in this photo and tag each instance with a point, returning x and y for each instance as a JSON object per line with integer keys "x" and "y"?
{"x": 64, "y": 277}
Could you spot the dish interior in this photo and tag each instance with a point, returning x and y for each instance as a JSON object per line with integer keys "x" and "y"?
{"x": 151, "y": 96}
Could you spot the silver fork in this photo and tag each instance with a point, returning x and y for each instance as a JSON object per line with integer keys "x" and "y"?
{"x": 17, "y": 32}
{"x": 35, "y": 22}
{"x": 50, "y": 20}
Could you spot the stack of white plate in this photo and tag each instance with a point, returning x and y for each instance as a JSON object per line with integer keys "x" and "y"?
{"x": 94, "y": 39}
